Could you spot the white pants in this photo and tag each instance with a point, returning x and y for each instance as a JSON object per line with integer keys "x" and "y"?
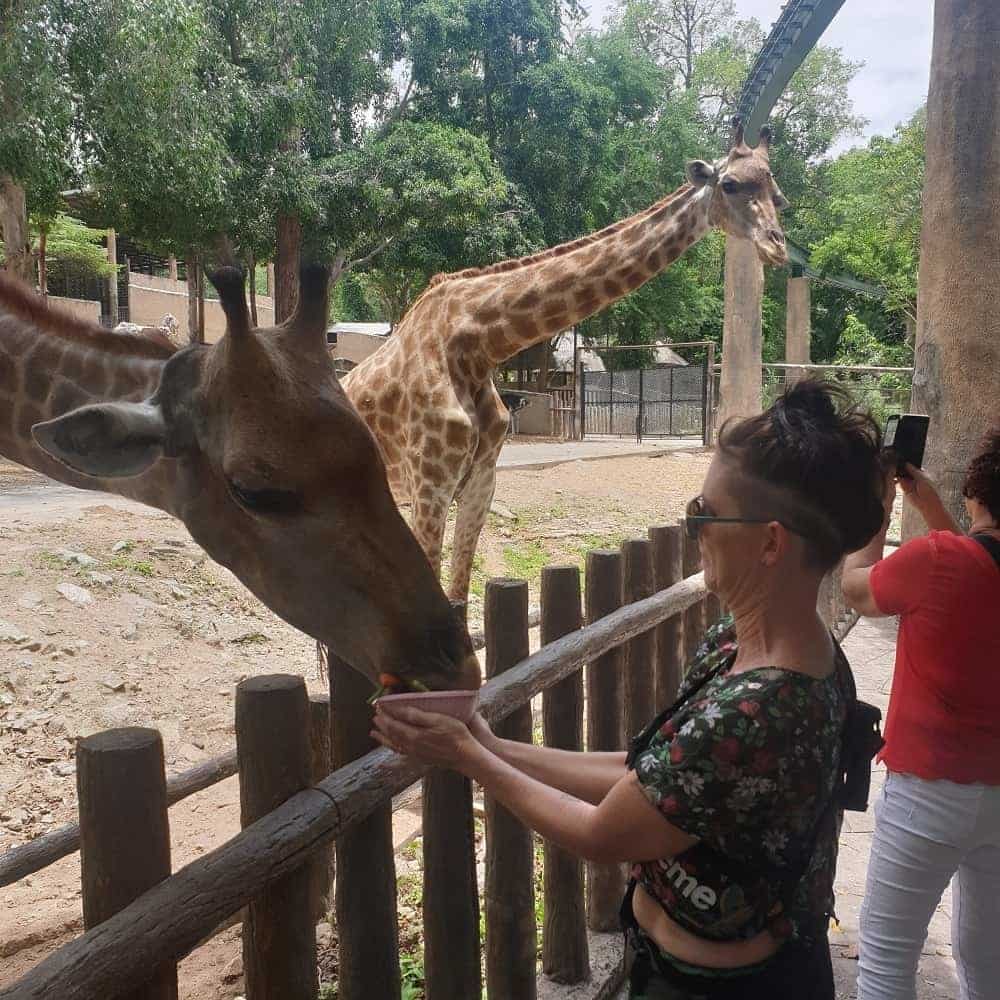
{"x": 926, "y": 834}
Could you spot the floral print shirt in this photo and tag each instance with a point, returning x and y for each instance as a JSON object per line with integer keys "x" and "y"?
{"x": 748, "y": 766}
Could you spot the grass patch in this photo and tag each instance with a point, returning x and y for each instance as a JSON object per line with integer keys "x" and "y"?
{"x": 49, "y": 560}
{"x": 525, "y": 562}
{"x": 138, "y": 566}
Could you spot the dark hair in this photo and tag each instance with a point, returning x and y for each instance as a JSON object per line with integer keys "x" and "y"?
{"x": 819, "y": 450}
{"x": 982, "y": 481}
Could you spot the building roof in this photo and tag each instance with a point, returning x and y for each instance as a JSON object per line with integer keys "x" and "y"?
{"x": 370, "y": 329}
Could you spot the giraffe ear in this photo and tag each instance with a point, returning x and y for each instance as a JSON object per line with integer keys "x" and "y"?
{"x": 106, "y": 440}
{"x": 700, "y": 173}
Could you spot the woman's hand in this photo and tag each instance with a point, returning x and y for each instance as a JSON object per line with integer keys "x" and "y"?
{"x": 429, "y": 737}
{"x": 918, "y": 488}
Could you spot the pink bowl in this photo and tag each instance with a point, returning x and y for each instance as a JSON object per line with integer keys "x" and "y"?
{"x": 459, "y": 705}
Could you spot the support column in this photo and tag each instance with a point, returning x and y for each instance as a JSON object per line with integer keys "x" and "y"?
{"x": 957, "y": 351}
{"x": 270, "y": 279}
{"x": 798, "y": 326}
{"x": 740, "y": 385}
{"x": 113, "y": 279}
{"x": 172, "y": 267}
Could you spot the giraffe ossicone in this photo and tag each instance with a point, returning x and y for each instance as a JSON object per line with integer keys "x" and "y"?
{"x": 253, "y": 444}
{"x": 427, "y": 393}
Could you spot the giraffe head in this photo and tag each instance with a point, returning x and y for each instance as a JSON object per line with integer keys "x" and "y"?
{"x": 278, "y": 478}
{"x": 746, "y": 200}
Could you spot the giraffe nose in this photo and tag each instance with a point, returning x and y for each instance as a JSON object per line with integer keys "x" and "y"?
{"x": 777, "y": 236}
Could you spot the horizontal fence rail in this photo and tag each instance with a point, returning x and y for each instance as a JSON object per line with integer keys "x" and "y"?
{"x": 19, "y": 862}
{"x": 172, "y": 918}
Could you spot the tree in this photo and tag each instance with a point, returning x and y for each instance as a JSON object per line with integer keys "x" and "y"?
{"x": 36, "y": 113}
{"x": 675, "y": 33}
{"x": 63, "y": 241}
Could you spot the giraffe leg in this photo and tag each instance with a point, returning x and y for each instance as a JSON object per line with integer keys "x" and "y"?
{"x": 473, "y": 506}
{"x": 428, "y": 520}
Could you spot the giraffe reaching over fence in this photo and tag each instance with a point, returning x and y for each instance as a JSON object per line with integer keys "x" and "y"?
{"x": 428, "y": 395}
{"x": 252, "y": 443}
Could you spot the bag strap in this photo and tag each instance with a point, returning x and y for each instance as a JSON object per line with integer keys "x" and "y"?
{"x": 991, "y": 545}
{"x": 640, "y": 742}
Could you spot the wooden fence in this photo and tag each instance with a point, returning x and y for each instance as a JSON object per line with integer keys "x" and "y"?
{"x": 645, "y": 607}
{"x": 565, "y": 413}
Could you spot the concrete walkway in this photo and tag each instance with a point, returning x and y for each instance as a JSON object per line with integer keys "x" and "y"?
{"x": 871, "y": 648}
{"x": 535, "y": 455}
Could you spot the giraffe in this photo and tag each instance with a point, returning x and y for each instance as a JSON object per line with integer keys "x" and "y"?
{"x": 428, "y": 395}
{"x": 250, "y": 442}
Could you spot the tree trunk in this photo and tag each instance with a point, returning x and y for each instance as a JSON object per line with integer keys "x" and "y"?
{"x": 286, "y": 267}
{"x": 957, "y": 353}
{"x": 191, "y": 266}
{"x": 543, "y": 366}
{"x": 14, "y": 223}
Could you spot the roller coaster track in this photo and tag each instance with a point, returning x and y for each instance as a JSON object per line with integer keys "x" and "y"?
{"x": 793, "y": 36}
{"x": 799, "y": 27}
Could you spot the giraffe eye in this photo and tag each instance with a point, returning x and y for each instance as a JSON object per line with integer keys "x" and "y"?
{"x": 730, "y": 186}
{"x": 265, "y": 501}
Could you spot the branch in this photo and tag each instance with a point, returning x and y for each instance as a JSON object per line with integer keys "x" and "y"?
{"x": 396, "y": 114}
{"x": 361, "y": 261}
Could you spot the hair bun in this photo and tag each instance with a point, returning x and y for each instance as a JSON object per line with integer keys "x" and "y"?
{"x": 810, "y": 398}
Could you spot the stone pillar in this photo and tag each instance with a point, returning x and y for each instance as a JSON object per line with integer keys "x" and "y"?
{"x": 740, "y": 385}
{"x": 958, "y": 351}
{"x": 113, "y": 279}
{"x": 270, "y": 279}
{"x": 172, "y": 267}
{"x": 798, "y": 327}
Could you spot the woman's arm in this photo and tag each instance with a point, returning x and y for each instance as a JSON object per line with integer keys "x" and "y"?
{"x": 586, "y": 776}
{"x": 623, "y": 827}
{"x": 920, "y": 492}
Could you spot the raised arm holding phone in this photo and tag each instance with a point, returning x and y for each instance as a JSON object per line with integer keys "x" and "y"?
{"x": 939, "y": 815}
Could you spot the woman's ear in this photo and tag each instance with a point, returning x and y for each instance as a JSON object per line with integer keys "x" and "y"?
{"x": 775, "y": 544}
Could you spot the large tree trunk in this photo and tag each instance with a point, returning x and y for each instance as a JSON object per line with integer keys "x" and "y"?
{"x": 286, "y": 267}
{"x": 957, "y": 351}
{"x": 14, "y": 223}
{"x": 740, "y": 384}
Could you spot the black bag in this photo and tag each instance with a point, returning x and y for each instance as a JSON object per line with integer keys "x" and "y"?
{"x": 991, "y": 545}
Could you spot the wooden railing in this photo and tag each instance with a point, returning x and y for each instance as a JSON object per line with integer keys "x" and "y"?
{"x": 137, "y": 931}
{"x": 565, "y": 414}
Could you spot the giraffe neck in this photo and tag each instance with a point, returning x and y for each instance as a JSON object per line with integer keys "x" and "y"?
{"x": 46, "y": 372}
{"x": 553, "y": 293}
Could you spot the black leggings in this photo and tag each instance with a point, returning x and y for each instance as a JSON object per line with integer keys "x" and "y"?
{"x": 795, "y": 973}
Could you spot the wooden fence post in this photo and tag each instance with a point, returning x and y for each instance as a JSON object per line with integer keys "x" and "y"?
{"x": 605, "y": 729}
{"x": 694, "y": 617}
{"x": 640, "y": 653}
{"x": 124, "y": 833}
{"x": 272, "y": 744}
{"x": 320, "y": 765}
{"x": 510, "y": 899}
{"x": 366, "y": 868}
{"x": 452, "y": 950}
{"x": 565, "y": 954}
{"x": 668, "y": 569}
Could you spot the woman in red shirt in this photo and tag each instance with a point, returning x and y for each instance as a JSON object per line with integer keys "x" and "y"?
{"x": 939, "y": 817}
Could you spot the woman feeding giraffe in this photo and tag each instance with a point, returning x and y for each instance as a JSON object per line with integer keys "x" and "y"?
{"x": 727, "y": 805}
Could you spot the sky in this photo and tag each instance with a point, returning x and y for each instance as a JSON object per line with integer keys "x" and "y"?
{"x": 891, "y": 37}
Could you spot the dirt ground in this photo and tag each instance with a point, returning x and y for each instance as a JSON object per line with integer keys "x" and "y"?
{"x": 111, "y": 616}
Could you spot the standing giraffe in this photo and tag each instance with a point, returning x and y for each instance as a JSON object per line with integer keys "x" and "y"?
{"x": 252, "y": 443}
{"x": 428, "y": 395}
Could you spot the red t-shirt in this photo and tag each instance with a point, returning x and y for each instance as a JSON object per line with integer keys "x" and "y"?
{"x": 944, "y": 711}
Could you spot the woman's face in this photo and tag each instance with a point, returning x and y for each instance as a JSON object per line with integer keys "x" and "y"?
{"x": 731, "y": 553}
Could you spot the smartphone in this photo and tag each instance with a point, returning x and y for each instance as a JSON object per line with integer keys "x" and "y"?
{"x": 906, "y": 437}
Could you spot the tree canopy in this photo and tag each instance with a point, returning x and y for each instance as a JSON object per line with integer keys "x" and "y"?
{"x": 407, "y": 137}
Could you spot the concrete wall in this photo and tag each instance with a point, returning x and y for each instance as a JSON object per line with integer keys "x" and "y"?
{"x": 536, "y": 417}
{"x": 81, "y": 308}
{"x": 151, "y": 298}
{"x": 355, "y": 347}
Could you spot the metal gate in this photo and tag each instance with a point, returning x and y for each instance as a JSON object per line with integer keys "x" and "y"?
{"x": 665, "y": 401}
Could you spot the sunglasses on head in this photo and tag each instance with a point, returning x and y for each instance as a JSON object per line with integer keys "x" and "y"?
{"x": 695, "y": 517}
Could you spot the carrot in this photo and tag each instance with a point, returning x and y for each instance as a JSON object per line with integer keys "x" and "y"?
{"x": 389, "y": 680}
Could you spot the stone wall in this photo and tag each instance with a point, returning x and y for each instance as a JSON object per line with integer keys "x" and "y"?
{"x": 81, "y": 308}
{"x": 151, "y": 298}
